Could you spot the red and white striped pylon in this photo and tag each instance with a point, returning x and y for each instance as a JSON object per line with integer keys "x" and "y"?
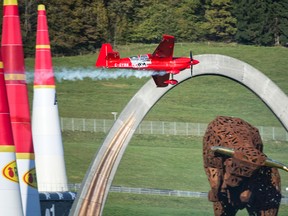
{"x": 14, "y": 71}
{"x": 49, "y": 154}
{"x": 10, "y": 196}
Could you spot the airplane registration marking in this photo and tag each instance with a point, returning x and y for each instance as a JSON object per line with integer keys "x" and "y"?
{"x": 121, "y": 64}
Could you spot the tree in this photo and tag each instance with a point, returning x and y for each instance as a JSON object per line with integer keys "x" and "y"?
{"x": 90, "y": 25}
{"x": 79, "y": 26}
{"x": 188, "y": 16}
{"x": 254, "y": 22}
{"x": 175, "y": 17}
{"x": 28, "y": 19}
{"x": 279, "y": 18}
{"x": 220, "y": 24}
{"x": 62, "y": 32}
{"x": 76, "y": 26}
{"x": 151, "y": 23}
{"x": 121, "y": 19}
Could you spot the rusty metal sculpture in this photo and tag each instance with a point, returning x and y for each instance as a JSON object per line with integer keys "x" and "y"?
{"x": 239, "y": 173}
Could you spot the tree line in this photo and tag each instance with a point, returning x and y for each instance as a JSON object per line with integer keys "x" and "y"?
{"x": 81, "y": 26}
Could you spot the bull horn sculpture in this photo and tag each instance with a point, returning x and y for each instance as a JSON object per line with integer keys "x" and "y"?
{"x": 230, "y": 152}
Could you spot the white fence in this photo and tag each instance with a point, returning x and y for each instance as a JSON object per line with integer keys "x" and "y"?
{"x": 166, "y": 192}
{"x": 161, "y": 127}
{"x": 162, "y": 192}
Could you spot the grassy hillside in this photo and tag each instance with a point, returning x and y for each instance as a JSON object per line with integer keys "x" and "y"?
{"x": 153, "y": 161}
{"x": 196, "y": 100}
{"x": 167, "y": 162}
{"x": 145, "y": 205}
{"x": 163, "y": 162}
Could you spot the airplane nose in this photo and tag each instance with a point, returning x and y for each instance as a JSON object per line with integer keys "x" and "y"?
{"x": 194, "y": 62}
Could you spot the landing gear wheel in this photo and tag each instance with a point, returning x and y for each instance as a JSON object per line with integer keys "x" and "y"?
{"x": 171, "y": 82}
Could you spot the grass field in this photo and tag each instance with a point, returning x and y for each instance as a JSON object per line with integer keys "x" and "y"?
{"x": 144, "y": 205}
{"x": 196, "y": 100}
{"x": 166, "y": 162}
{"x": 152, "y": 161}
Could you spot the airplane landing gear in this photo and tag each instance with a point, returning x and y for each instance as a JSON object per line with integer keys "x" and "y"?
{"x": 171, "y": 82}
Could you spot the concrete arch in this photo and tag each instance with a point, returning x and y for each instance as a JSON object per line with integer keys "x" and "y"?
{"x": 93, "y": 193}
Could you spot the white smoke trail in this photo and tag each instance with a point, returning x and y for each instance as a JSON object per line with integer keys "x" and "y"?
{"x": 95, "y": 74}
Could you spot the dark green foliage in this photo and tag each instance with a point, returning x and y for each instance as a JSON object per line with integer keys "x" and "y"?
{"x": 280, "y": 18}
{"x": 262, "y": 22}
{"x": 178, "y": 18}
{"x": 121, "y": 19}
{"x": 219, "y": 21}
{"x": 253, "y": 23}
{"x": 28, "y": 11}
{"x": 79, "y": 27}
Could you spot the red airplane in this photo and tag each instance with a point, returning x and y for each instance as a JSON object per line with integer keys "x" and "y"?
{"x": 161, "y": 60}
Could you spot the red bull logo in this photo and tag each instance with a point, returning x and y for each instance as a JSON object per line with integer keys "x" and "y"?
{"x": 10, "y": 172}
{"x": 30, "y": 178}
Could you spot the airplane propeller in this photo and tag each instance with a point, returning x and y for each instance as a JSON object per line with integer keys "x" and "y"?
{"x": 193, "y": 62}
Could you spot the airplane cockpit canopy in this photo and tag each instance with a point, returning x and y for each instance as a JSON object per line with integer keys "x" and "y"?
{"x": 144, "y": 57}
{"x": 134, "y": 57}
{"x": 140, "y": 58}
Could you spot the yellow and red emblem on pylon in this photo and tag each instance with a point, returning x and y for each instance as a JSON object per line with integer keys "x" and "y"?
{"x": 10, "y": 171}
{"x": 30, "y": 178}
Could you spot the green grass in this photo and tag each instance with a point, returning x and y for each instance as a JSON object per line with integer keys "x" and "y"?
{"x": 147, "y": 205}
{"x": 166, "y": 162}
{"x": 154, "y": 161}
{"x": 79, "y": 148}
{"x": 163, "y": 162}
{"x": 196, "y": 100}
{"x": 153, "y": 205}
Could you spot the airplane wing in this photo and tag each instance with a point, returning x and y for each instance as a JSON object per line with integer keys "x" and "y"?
{"x": 160, "y": 80}
{"x": 165, "y": 48}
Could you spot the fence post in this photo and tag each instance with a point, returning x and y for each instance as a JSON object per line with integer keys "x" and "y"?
{"x": 94, "y": 125}
{"x": 84, "y": 126}
{"x": 261, "y": 131}
{"x": 104, "y": 126}
{"x": 72, "y": 121}
{"x": 175, "y": 129}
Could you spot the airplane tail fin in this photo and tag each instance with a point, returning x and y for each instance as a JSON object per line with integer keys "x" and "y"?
{"x": 106, "y": 53}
